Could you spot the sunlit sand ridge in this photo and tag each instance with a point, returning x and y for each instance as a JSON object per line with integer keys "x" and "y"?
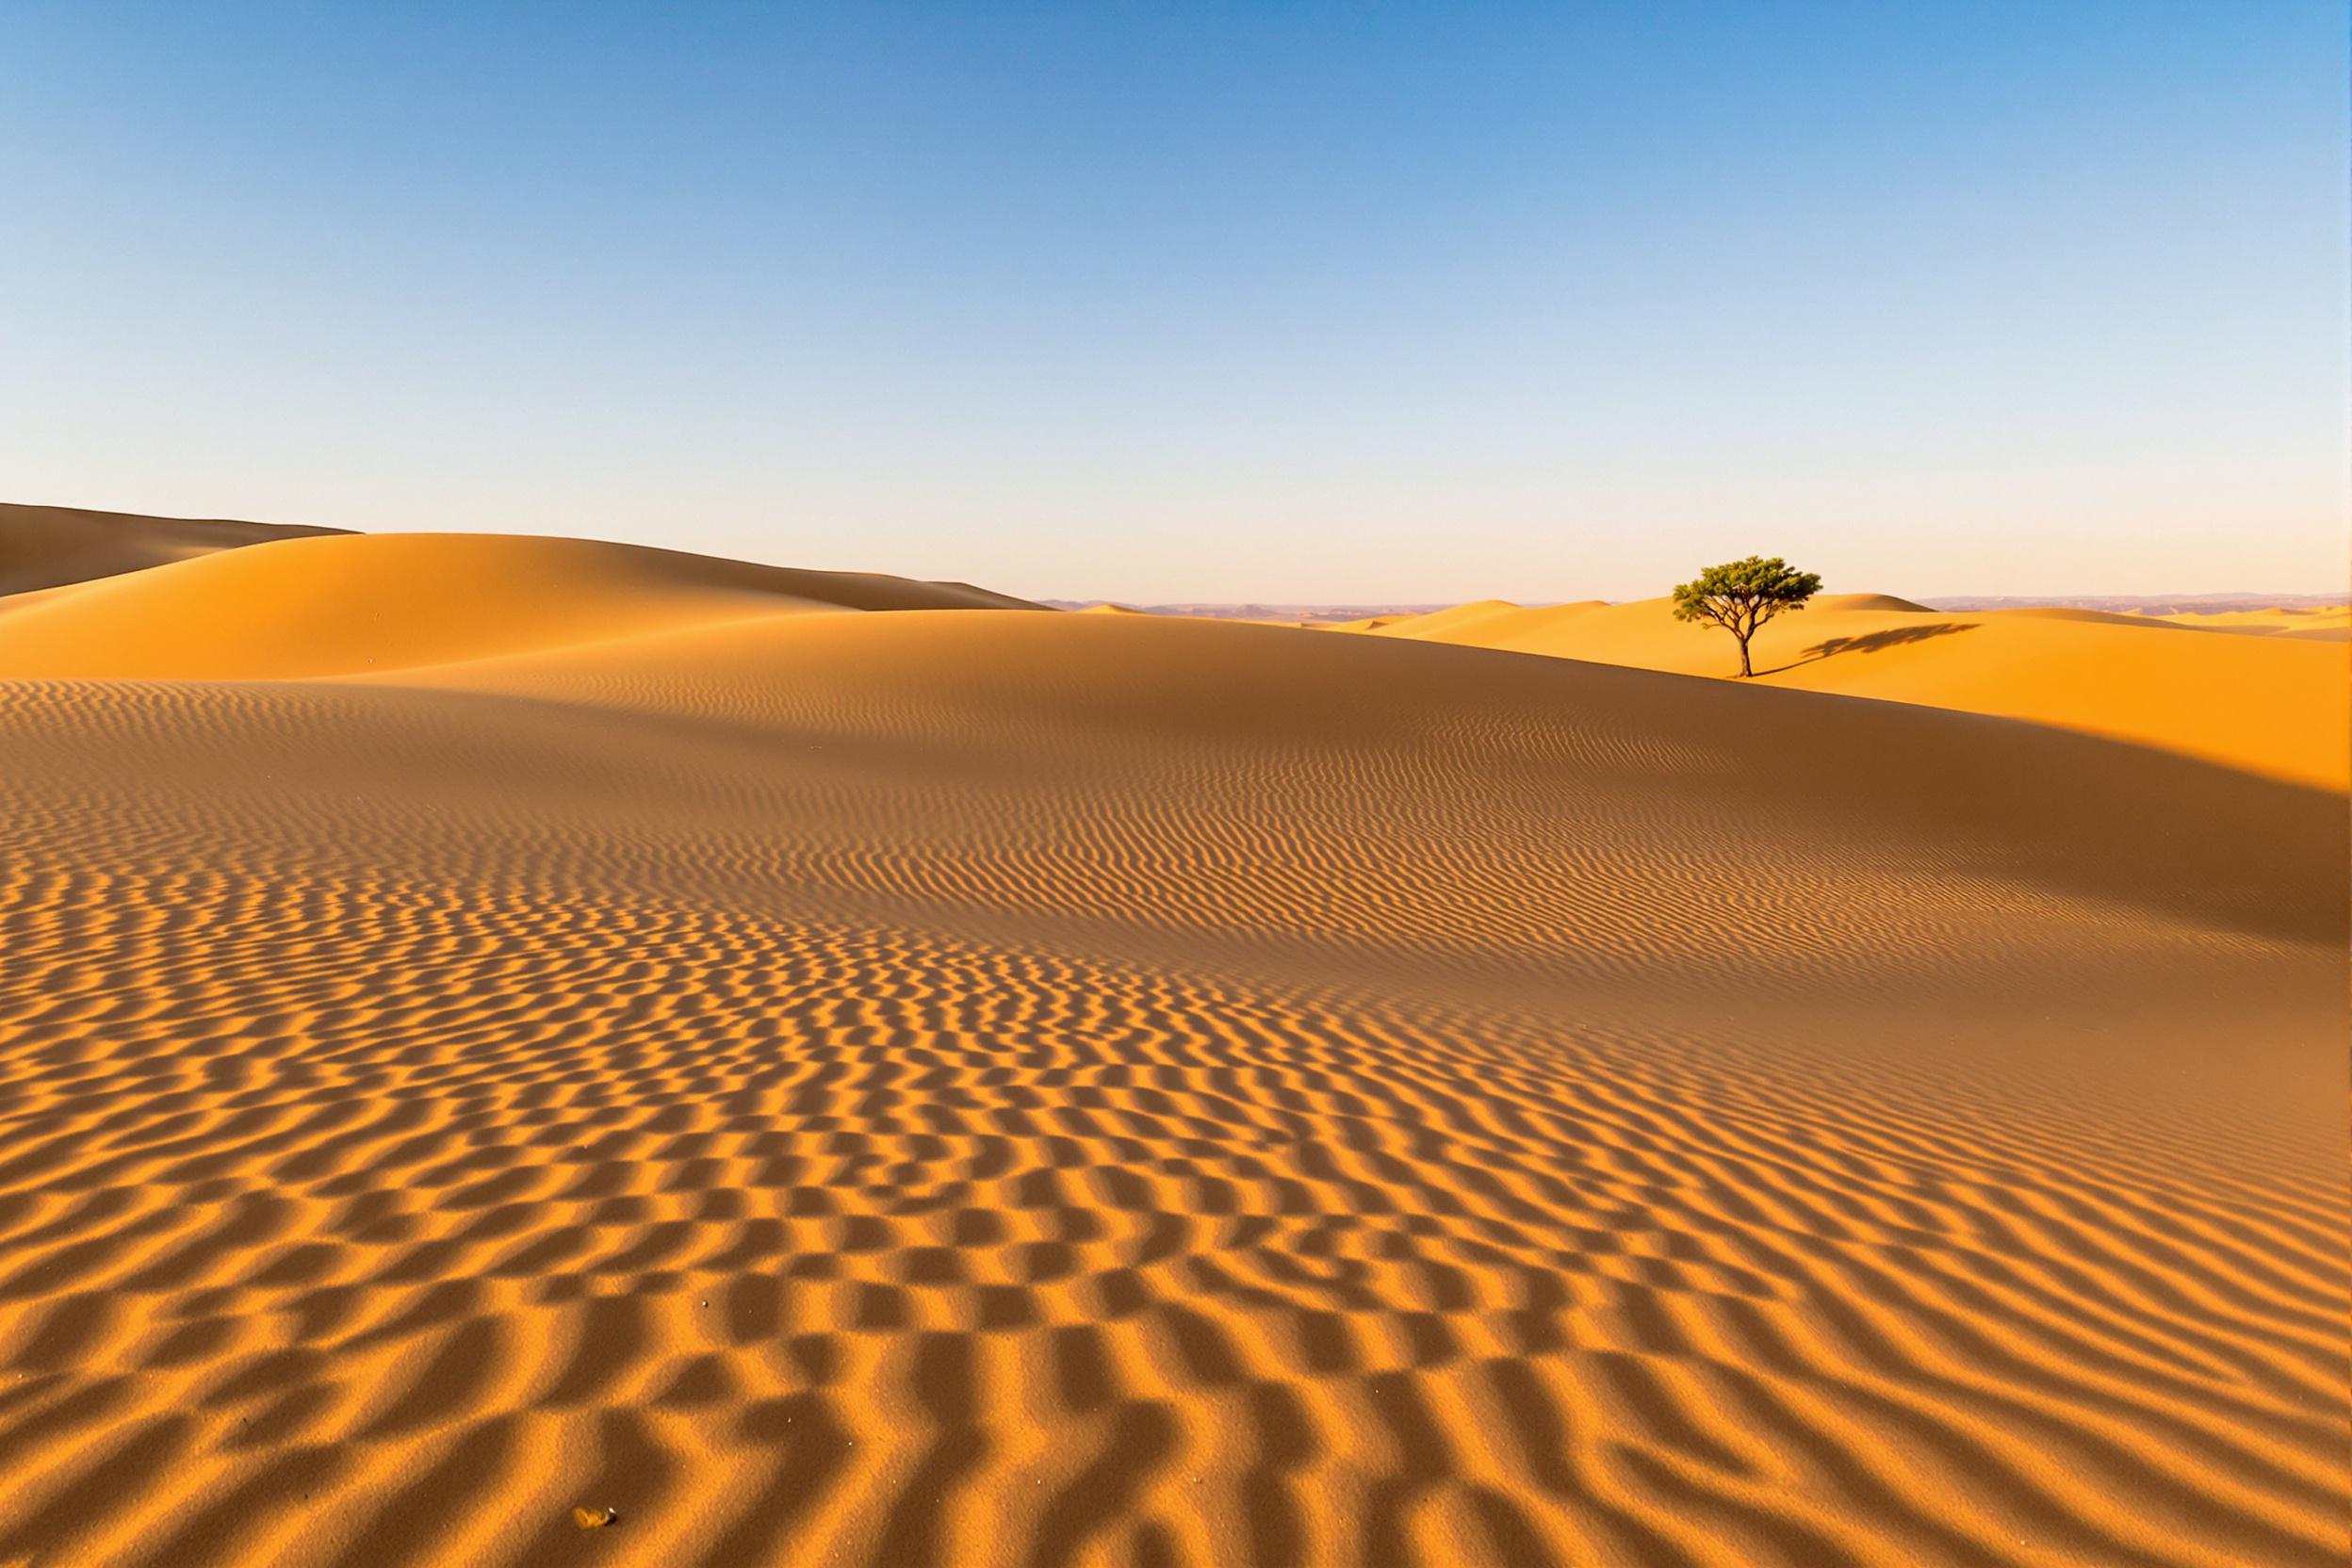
{"x": 2323, "y": 624}
{"x": 2272, "y": 703}
{"x": 491, "y": 1028}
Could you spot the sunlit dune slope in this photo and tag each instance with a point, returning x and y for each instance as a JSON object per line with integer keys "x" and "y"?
{"x": 356, "y": 602}
{"x": 2057, "y": 613}
{"x": 1843, "y": 602}
{"x": 2275, "y": 707}
{"x": 931, "y": 1089}
{"x": 1460, "y": 619}
{"x": 45, "y": 547}
{"x": 2327, "y": 623}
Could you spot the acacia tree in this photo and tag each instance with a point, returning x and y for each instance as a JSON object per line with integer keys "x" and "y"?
{"x": 1740, "y": 596}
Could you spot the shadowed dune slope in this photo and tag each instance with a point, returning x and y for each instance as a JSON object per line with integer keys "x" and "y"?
{"x": 2274, "y": 706}
{"x": 391, "y": 601}
{"x": 1121, "y": 1091}
{"x": 48, "y": 547}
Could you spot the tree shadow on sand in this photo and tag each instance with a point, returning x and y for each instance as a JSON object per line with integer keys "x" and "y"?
{"x": 1877, "y": 642}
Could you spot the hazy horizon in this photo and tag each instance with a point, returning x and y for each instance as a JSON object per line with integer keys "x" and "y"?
{"x": 1309, "y": 304}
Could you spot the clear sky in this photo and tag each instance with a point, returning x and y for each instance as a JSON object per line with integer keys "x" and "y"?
{"x": 1306, "y": 302}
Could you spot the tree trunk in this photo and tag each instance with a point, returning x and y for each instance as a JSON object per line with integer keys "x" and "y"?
{"x": 1745, "y": 672}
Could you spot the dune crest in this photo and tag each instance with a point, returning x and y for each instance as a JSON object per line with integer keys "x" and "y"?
{"x": 359, "y": 603}
{"x": 1848, "y": 603}
{"x": 2328, "y": 622}
{"x": 2274, "y": 706}
{"x": 52, "y": 547}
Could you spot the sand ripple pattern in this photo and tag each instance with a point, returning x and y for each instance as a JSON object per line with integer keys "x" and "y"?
{"x": 969, "y": 1089}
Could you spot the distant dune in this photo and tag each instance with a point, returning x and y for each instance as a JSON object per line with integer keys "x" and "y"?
{"x": 1854, "y": 603}
{"x": 1268, "y": 614}
{"x": 493, "y": 1027}
{"x": 2272, "y": 704}
{"x": 2316, "y": 623}
{"x": 47, "y": 546}
{"x": 395, "y": 601}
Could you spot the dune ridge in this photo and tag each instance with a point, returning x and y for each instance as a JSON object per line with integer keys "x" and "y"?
{"x": 44, "y": 547}
{"x": 392, "y": 601}
{"x": 2326, "y": 623}
{"x": 989, "y": 1088}
{"x": 2275, "y": 705}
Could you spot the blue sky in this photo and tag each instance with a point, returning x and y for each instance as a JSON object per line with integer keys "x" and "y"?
{"x": 1339, "y": 302}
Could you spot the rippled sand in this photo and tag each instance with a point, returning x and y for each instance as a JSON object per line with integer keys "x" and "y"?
{"x": 970, "y": 1086}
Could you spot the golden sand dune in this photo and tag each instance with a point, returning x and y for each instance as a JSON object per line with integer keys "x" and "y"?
{"x": 394, "y": 602}
{"x": 2060, "y": 612}
{"x": 46, "y": 546}
{"x": 2273, "y": 706}
{"x": 2327, "y": 623}
{"x": 1867, "y": 602}
{"x": 990, "y": 1088}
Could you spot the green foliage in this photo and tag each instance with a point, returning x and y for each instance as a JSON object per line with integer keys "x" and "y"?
{"x": 1740, "y": 596}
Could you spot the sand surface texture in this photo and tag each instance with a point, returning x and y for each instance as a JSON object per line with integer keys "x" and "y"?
{"x": 491, "y": 1029}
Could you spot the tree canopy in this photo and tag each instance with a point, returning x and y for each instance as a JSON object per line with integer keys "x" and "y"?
{"x": 1741, "y": 595}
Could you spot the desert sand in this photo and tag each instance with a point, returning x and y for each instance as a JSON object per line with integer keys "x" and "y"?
{"x": 837, "y": 1070}
{"x": 2273, "y": 704}
{"x": 49, "y": 547}
{"x": 2326, "y": 624}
